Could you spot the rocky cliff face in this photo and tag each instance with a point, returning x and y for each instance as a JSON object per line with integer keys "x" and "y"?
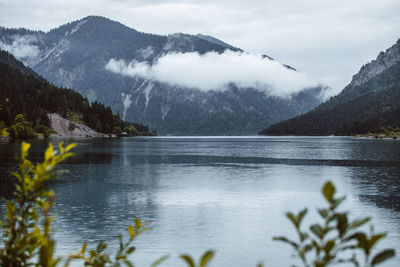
{"x": 384, "y": 61}
{"x": 75, "y": 55}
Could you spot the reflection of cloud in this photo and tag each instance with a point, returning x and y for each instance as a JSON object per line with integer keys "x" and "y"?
{"x": 21, "y": 46}
{"x": 213, "y": 71}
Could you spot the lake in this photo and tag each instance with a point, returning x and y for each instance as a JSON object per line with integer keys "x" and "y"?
{"x": 225, "y": 193}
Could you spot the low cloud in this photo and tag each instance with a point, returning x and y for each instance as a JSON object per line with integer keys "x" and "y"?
{"x": 214, "y": 71}
{"x": 145, "y": 53}
{"x": 21, "y": 46}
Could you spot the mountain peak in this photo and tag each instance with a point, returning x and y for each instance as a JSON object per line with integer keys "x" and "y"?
{"x": 383, "y": 61}
{"x": 93, "y": 20}
{"x": 85, "y": 53}
{"x": 214, "y": 40}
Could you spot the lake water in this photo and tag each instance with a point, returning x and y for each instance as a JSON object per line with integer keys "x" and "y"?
{"x": 224, "y": 193}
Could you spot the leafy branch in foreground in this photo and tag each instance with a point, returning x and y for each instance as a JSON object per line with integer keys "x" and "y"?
{"x": 336, "y": 237}
{"x": 99, "y": 256}
{"x": 23, "y": 240}
{"x": 204, "y": 260}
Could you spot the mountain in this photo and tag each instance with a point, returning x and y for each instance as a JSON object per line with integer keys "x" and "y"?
{"x": 76, "y": 54}
{"x": 369, "y": 102}
{"x": 9, "y": 60}
{"x": 217, "y": 41}
{"x": 24, "y": 92}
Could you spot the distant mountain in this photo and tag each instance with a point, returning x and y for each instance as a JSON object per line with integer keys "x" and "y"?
{"x": 29, "y": 94}
{"x": 217, "y": 42}
{"x": 369, "y": 102}
{"x": 75, "y": 55}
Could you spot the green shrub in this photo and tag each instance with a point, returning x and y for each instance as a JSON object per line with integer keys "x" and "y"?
{"x": 74, "y": 117}
{"x": 21, "y": 129}
{"x": 3, "y": 130}
{"x": 330, "y": 241}
{"x": 46, "y": 131}
{"x": 131, "y": 131}
{"x": 117, "y": 131}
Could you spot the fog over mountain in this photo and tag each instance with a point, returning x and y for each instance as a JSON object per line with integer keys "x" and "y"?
{"x": 178, "y": 84}
{"x": 215, "y": 71}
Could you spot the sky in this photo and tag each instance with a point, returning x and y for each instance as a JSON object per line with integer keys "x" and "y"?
{"x": 329, "y": 40}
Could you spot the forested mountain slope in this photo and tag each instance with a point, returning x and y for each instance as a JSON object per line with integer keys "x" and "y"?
{"x": 24, "y": 92}
{"x": 369, "y": 102}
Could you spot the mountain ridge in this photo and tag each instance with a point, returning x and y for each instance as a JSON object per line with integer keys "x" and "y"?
{"x": 75, "y": 54}
{"x": 370, "y": 101}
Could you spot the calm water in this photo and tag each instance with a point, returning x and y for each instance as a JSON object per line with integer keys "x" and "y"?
{"x": 226, "y": 193}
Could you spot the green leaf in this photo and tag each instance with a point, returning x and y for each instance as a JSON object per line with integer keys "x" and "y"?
{"x": 138, "y": 224}
{"x": 160, "y": 260}
{"x": 207, "y": 256}
{"x": 188, "y": 259}
{"x": 303, "y": 236}
{"x": 336, "y": 202}
{"x": 131, "y": 231}
{"x": 323, "y": 212}
{"x": 374, "y": 239}
{"x": 329, "y": 246}
{"x": 83, "y": 248}
{"x": 359, "y": 222}
{"x": 362, "y": 241}
{"x": 328, "y": 190}
{"x": 308, "y": 248}
{"x": 301, "y": 215}
{"x": 317, "y": 230}
{"x": 342, "y": 223}
{"x": 130, "y": 250}
{"x": 296, "y": 220}
{"x": 292, "y": 218}
{"x": 316, "y": 246}
{"x": 128, "y": 263}
{"x": 383, "y": 256}
{"x": 285, "y": 240}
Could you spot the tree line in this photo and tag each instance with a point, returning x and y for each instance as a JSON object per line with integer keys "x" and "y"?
{"x": 356, "y": 110}
{"x": 34, "y": 98}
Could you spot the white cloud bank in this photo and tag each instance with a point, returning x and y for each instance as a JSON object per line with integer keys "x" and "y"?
{"x": 213, "y": 71}
{"x": 21, "y": 46}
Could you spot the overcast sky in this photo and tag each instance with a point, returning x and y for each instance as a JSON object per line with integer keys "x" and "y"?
{"x": 327, "y": 39}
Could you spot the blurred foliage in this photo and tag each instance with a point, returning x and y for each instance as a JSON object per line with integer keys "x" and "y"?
{"x": 24, "y": 241}
{"x": 204, "y": 259}
{"x": 3, "y": 130}
{"x": 27, "y": 228}
{"x": 336, "y": 239}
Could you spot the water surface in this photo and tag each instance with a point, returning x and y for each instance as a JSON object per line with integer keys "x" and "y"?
{"x": 225, "y": 193}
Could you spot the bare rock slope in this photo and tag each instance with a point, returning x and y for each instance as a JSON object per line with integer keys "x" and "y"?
{"x": 61, "y": 125}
